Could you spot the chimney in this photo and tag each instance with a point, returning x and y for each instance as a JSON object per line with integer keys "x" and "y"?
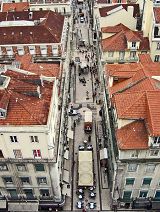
{"x": 30, "y": 15}
{"x": 130, "y": 10}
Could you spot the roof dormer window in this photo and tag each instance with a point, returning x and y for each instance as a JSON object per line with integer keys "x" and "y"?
{"x": 2, "y": 114}
{"x": 156, "y": 140}
{"x": 133, "y": 44}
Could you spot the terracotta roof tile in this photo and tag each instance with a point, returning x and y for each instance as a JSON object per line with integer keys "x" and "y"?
{"x": 114, "y": 29}
{"x": 131, "y": 105}
{"x": 136, "y": 12}
{"x": 145, "y": 58}
{"x": 132, "y": 136}
{"x": 49, "y": 70}
{"x": 118, "y": 41}
{"x": 114, "y": 43}
{"x": 18, "y": 6}
{"x": 47, "y": 31}
{"x": 24, "y": 108}
{"x": 153, "y": 116}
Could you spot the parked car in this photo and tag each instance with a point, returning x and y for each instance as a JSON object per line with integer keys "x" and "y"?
{"x": 79, "y": 204}
{"x": 92, "y": 205}
{"x": 72, "y": 112}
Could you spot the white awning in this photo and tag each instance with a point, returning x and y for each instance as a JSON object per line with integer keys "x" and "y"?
{"x": 66, "y": 176}
{"x": 70, "y": 134}
{"x": 66, "y": 154}
{"x": 85, "y": 168}
{"x": 103, "y": 154}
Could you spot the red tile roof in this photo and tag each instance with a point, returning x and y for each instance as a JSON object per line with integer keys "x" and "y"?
{"x": 131, "y": 105}
{"x": 140, "y": 105}
{"x": 18, "y": 6}
{"x": 25, "y": 107}
{"x": 136, "y": 12}
{"x": 114, "y": 29}
{"x": 118, "y": 41}
{"x": 126, "y": 70}
{"x": 49, "y": 70}
{"x": 145, "y": 58}
{"x": 132, "y": 136}
{"x": 156, "y": 11}
{"x": 140, "y": 78}
{"x": 48, "y": 30}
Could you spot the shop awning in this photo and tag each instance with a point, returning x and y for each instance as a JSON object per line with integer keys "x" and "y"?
{"x": 103, "y": 154}
{"x": 85, "y": 168}
{"x": 66, "y": 154}
{"x": 70, "y": 134}
{"x": 66, "y": 176}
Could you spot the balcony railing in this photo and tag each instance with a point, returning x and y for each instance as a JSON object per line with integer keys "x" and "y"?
{"x": 121, "y": 60}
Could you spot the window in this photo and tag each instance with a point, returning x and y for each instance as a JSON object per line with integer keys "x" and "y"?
{"x": 132, "y": 167}
{"x": 34, "y": 139}
{"x": 134, "y": 44}
{"x": 130, "y": 181}
{"x": 121, "y": 55}
{"x": 154, "y": 152}
{"x": 156, "y": 140}
{"x": 134, "y": 154}
{"x": 13, "y": 193}
{"x": 3, "y": 167}
{"x": 25, "y": 180}
{"x": 110, "y": 54}
{"x": 37, "y": 153}
{"x": 157, "y": 195}
{"x": 44, "y": 192}
{"x": 56, "y": 10}
{"x": 17, "y": 153}
{"x": 158, "y": 45}
{"x": 127, "y": 195}
{"x": 13, "y": 139}
{"x": 1, "y": 154}
{"x": 39, "y": 167}
{"x": 28, "y": 193}
{"x": 20, "y": 50}
{"x": 7, "y": 180}
{"x": 143, "y": 194}
{"x": 41, "y": 180}
{"x": 132, "y": 54}
{"x": 2, "y": 114}
{"x": 150, "y": 168}
{"x": 21, "y": 167}
{"x": 147, "y": 181}
{"x": 156, "y": 59}
{"x": 32, "y": 50}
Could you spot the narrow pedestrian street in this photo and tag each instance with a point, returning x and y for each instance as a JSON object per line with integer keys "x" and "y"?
{"x": 85, "y": 96}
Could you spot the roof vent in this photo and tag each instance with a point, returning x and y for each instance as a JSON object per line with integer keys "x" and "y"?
{"x": 12, "y": 33}
{"x": 21, "y": 33}
{"x": 17, "y": 17}
{"x": 4, "y": 33}
{"x": 31, "y": 33}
